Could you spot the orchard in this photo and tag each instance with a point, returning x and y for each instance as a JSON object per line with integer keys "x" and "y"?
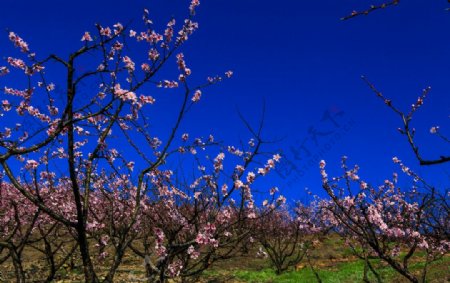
{"x": 91, "y": 188}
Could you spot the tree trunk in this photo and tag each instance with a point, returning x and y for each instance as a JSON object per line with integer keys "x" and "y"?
{"x": 88, "y": 268}
{"x": 17, "y": 262}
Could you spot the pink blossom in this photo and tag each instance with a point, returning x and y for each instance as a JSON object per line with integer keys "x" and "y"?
{"x": 239, "y": 168}
{"x": 146, "y": 99}
{"x": 31, "y": 164}
{"x": 238, "y": 184}
{"x": 105, "y": 31}
{"x": 423, "y": 244}
{"x": 153, "y": 54}
{"x": 225, "y": 189}
{"x": 50, "y": 87}
{"x": 250, "y": 177}
{"x": 281, "y": 199}
{"x": 3, "y": 71}
{"x": 130, "y": 165}
{"x": 194, "y": 4}
{"x": 197, "y": 96}
{"x": 273, "y": 190}
{"x": 229, "y": 74}
{"x": 192, "y": 252}
{"x": 262, "y": 171}
{"x": 175, "y": 268}
{"x": 17, "y": 63}
{"x": 322, "y": 164}
{"x": 6, "y": 105}
{"x": 168, "y": 84}
{"x": 218, "y": 162}
{"x": 117, "y": 46}
{"x": 145, "y": 67}
{"x": 168, "y": 33}
{"x": 86, "y": 37}
{"x": 188, "y": 28}
{"x": 154, "y": 37}
{"x": 434, "y": 129}
{"x": 129, "y": 64}
{"x": 118, "y": 28}
{"x": 18, "y": 42}
{"x": 277, "y": 157}
{"x": 124, "y": 94}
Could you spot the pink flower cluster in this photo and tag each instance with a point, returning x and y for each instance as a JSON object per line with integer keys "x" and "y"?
{"x": 206, "y": 236}
{"x": 19, "y": 42}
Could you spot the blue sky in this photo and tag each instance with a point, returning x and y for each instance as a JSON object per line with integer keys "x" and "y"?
{"x": 299, "y": 58}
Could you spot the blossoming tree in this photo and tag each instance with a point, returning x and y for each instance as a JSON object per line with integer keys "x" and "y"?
{"x": 66, "y": 144}
{"x": 385, "y": 221}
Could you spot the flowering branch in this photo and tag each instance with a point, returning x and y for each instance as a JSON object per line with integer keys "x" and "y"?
{"x": 406, "y": 129}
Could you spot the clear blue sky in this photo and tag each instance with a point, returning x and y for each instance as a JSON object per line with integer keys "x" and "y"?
{"x": 298, "y": 57}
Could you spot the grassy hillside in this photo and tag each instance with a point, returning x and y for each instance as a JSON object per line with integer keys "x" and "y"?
{"x": 333, "y": 262}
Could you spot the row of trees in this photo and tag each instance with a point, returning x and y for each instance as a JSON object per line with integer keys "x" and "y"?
{"x": 85, "y": 179}
{"x": 180, "y": 234}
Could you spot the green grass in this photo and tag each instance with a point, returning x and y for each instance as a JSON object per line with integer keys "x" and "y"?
{"x": 347, "y": 272}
